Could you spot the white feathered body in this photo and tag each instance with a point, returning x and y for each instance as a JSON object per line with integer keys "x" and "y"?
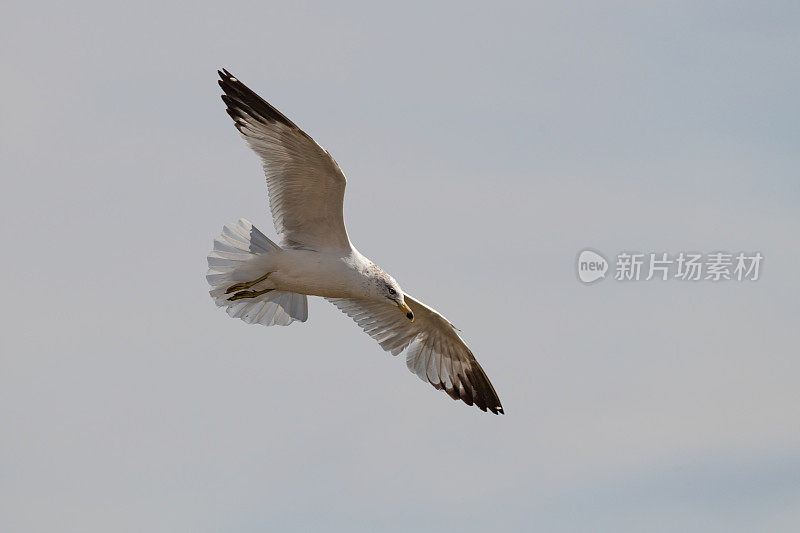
{"x": 242, "y": 253}
{"x": 331, "y": 275}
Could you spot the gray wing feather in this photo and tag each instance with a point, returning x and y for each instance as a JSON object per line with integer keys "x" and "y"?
{"x": 434, "y": 350}
{"x": 306, "y": 186}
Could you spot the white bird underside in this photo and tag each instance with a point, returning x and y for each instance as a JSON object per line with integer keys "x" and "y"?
{"x": 306, "y": 191}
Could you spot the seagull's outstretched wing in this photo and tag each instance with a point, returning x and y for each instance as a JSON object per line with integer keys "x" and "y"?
{"x": 306, "y": 186}
{"x": 435, "y": 351}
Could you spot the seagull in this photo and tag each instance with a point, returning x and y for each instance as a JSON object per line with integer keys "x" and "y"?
{"x": 261, "y": 282}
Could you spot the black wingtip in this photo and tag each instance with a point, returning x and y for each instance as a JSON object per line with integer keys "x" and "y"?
{"x": 498, "y": 409}
{"x": 480, "y": 390}
{"x": 242, "y": 100}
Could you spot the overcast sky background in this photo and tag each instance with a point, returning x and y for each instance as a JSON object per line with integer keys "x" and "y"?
{"x": 485, "y": 146}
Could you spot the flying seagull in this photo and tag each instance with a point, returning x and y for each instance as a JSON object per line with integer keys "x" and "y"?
{"x": 263, "y": 283}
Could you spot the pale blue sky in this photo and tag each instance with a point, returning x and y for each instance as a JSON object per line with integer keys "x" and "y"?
{"x": 485, "y": 146}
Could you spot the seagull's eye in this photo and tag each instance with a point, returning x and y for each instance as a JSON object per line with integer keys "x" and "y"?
{"x": 392, "y": 291}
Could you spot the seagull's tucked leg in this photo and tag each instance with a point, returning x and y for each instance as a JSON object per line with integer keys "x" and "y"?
{"x": 248, "y": 294}
{"x": 247, "y": 285}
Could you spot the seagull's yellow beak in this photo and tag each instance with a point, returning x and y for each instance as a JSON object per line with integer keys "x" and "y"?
{"x": 406, "y": 310}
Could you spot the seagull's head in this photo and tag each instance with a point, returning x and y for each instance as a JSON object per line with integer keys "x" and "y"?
{"x": 390, "y": 290}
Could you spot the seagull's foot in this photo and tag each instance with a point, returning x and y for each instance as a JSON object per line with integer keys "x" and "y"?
{"x": 246, "y": 284}
{"x": 248, "y": 294}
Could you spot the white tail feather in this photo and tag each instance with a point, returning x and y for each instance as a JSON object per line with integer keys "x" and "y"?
{"x": 241, "y": 254}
